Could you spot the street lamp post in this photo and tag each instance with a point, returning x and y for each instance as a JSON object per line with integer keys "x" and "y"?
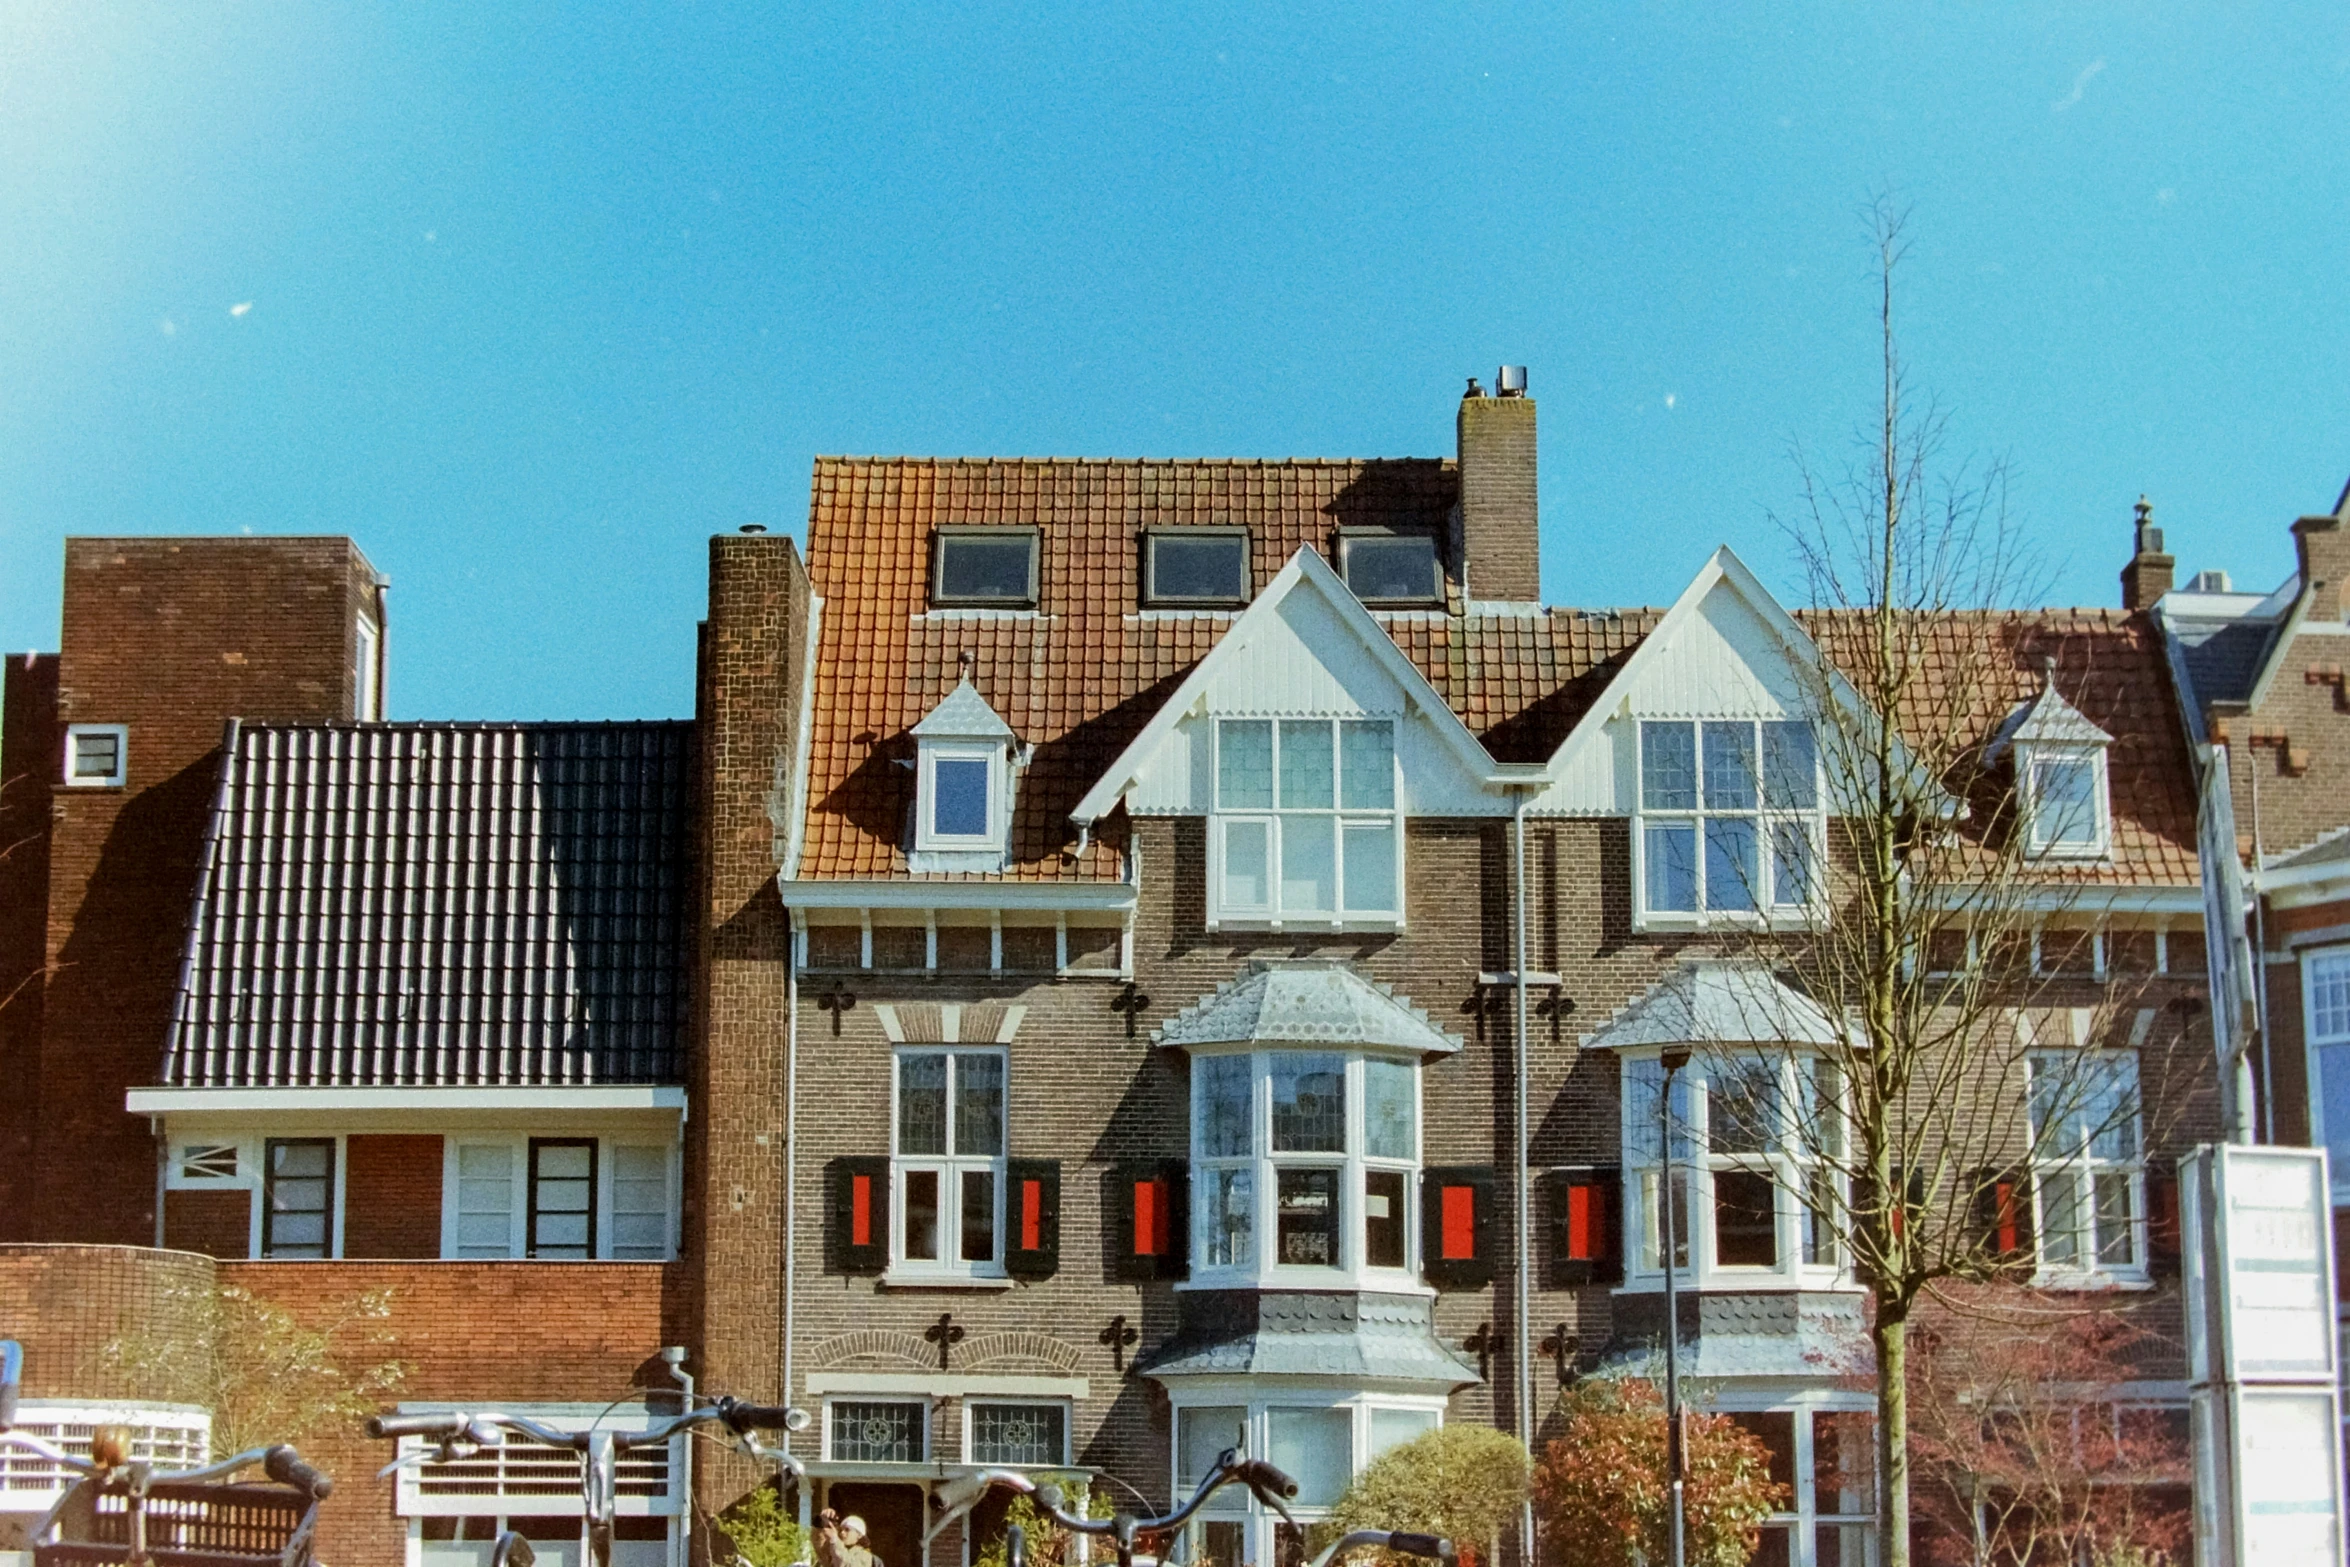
{"x": 1676, "y": 1459}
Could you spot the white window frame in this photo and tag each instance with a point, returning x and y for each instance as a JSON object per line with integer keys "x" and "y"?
{"x": 178, "y": 1178}
{"x": 1767, "y": 819}
{"x": 1353, "y": 1163}
{"x": 2081, "y": 1168}
{"x": 2030, "y": 758}
{"x": 1270, "y": 819}
{"x": 950, "y": 1167}
{"x": 117, "y": 779}
{"x": 1793, "y": 1171}
{"x": 1805, "y": 1516}
{"x": 517, "y": 1146}
{"x": 971, "y": 1403}
{"x": 927, "y": 1406}
{"x": 2315, "y": 1038}
{"x": 927, "y": 837}
{"x": 1233, "y": 1504}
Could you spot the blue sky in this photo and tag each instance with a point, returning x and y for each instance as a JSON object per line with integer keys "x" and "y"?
{"x": 531, "y": 299}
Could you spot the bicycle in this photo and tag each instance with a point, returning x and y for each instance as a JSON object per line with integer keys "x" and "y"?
{"x": 1265, "y": 1482}
{"x": 457, "y": 1434}
{"x": 126, "y": 1511}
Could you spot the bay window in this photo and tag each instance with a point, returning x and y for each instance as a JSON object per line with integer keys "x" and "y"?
{"x": 1730, "y": 820}
{"x": 1306, "y": 828}
{"x": 1322, "y": 1442}
{"x": 1753, "y": 1138}
{"x": 2325, "y": 983}
{"x": 2088, "y": 1165}
{"x": 948, "y": 1162}
{"x": 1304, "y": 1163}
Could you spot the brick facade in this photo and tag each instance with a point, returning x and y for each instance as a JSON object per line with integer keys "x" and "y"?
{"x": 169, "y": 637}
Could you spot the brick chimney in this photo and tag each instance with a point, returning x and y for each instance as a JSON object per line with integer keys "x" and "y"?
{"x": 2324, "y": 549}
{"x": 1501, "y": 549}
{"x": 2148, "y": 575}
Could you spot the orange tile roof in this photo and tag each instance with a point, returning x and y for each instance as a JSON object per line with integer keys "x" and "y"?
{"x": 1977, "y": 667}
{"x": 1079, "y": 677}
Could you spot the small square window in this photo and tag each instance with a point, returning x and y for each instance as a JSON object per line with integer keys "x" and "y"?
{"x": 984, "y": 567}
{"x": 96, "y": 755}
{"x": 959, "y": 802}
{"x": 1196, "y": 566}
{"x": 1391, "y": 568}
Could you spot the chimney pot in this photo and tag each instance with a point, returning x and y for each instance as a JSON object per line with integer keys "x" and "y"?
{"x": 2149, "y": 573}
{"x": 1510, "y": 380}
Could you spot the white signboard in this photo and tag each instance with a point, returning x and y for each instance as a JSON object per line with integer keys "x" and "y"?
{"x": 2261, "y": 1349}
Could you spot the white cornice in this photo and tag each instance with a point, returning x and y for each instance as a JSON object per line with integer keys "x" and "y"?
{"x": 973, "y": 894}
{"x": 591, "y": 1099}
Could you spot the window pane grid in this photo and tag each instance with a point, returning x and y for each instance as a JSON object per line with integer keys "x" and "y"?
{"x": 950, "y": 1148}
{"x": 1324, "y": 839}
{"x": 1730, "y": 816}
{"x": 877, "y": 1433}
{"x": 1751, "y": 1140}
{"x": 2088, "y": 1176}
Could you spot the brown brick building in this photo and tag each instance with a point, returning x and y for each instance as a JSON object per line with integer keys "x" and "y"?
{"x": 1057, "y": 1003}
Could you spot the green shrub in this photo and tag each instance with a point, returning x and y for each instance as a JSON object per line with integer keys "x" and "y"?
{"x": 764, "y": 1535}
{"x": 1464, "y": 1482}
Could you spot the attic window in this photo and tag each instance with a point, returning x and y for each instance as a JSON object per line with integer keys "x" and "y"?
{"x": 963, "y": 768}
{"x": 985, "y": 567}
{"x": 94, "y": 755}
{"x": 1193, "y": 566}
{"x": 2065, "y": 801}
{"x": 1390, "y": 567}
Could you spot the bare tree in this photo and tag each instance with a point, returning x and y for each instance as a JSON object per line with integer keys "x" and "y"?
{"x": 1968, "y": 1041}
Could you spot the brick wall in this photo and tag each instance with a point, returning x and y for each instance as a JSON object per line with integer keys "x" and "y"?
{"x": 216, "y": 1223}
{"x": 489, "y": 1332}
{"x": 171, "y": 637}
{"x": 1086, "y": 1092}
{"x": 1501, "y": 543}
{"x": 753, "y": 653}
{"x": 65, "y": 1304}
{"x": 392, "y": 1197}
{"x": 30, "y": 747}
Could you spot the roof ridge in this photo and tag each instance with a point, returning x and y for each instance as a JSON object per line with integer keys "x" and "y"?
{"x": 916, "y": 460}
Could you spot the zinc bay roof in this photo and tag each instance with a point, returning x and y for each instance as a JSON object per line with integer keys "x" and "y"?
{"x": 439, "y": 904}
{"x": 1078, "y": 677}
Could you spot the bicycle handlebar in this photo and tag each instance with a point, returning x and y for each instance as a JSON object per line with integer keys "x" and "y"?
{"x": 742, "y": 1418}
{"x": 1398, "y": 1541}
{"x": 282, "y": 1464}
{"x": 416, "y": 1425}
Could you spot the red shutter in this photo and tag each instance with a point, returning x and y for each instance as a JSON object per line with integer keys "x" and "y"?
{"x": 1583, "y": 1229}
{"x": 1460, "y": 1223}
{"x": 1150, "y": 1217}
{"x": 1031, "y": 1214}
{"x": 860, "y": 1210}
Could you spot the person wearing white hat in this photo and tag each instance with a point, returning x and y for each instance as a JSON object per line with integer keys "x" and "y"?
{"x": 840, "y": 1542}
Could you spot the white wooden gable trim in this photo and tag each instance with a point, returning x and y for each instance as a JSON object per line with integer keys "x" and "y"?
{"x": 1593, "y": 772}
{"x": 1349, "y": 635}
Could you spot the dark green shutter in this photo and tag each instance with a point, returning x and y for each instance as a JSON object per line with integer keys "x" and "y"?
{"x": 1456, "y": 1226}
{"x": 860, "y": 1214}
{"x": 1586, "y": 1226}
{"x": 1032, "y": 1217}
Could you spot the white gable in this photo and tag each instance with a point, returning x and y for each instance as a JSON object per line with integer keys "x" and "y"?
{"x": 1305, "y": 648}
{"x": 1726, "y": 650}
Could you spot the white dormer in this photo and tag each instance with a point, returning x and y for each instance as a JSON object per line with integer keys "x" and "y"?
{"x": 2060, "y": 776}
{"x": 964, "y": 756}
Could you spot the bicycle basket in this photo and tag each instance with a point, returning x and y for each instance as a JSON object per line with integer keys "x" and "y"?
{"x": 188, "y": 1524}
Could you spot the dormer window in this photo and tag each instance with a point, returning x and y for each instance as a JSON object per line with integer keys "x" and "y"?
{"x": 2061, "y": 785}
{"x": 963, "y": 771}
{"x": 1391, "y": 567}
{"x": 1195, "y": 567}
{"x": 987, "y": 568}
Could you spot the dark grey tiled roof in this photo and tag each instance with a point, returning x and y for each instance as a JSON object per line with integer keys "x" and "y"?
{"x": 413, "y": 904}
{"x": 1338, "y": 1335}
{"x": 2222, "y": 657}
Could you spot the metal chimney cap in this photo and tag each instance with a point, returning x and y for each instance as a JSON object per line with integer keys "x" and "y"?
{"x": 1510, "y": 380}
